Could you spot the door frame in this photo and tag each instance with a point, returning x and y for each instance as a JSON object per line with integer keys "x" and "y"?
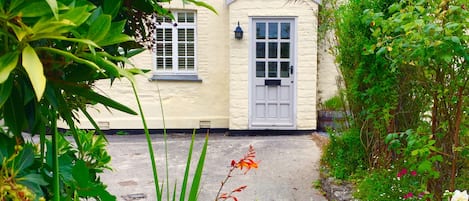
{"x": 252, "y": 73}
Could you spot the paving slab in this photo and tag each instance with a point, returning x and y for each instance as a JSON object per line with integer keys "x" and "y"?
{"x": 289, "y": 165}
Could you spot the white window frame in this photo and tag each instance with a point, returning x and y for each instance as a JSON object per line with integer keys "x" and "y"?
{"x": 175, "y": 42}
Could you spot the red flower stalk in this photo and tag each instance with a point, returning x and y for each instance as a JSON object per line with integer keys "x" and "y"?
{"x": 247, "y": 162}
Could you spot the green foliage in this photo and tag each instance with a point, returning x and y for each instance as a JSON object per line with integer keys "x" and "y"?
{"x": 390, "y": 184}
{"x": 24, "y": 172}
{"x": 344, "y": 155}
{"x": 404, "y": 65}
{"x": 334, "y": 103}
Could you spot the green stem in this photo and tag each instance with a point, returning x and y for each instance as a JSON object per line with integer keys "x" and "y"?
{"x": 149, "y": 143}
{"x": 165, "y": 137}
{"x": 55, "y": 158}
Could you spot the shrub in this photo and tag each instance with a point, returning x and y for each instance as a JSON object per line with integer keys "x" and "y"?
{"x": 345, "y": 154}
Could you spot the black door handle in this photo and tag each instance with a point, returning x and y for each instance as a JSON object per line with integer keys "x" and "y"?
{"x": 291, "y": 69}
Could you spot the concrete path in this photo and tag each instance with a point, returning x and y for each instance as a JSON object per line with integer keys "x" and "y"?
{"x": 289, "y": 166}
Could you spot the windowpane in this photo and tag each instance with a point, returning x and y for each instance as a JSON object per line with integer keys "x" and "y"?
{"x": 169, "y": 63}
{"x": 175, "y": 45}
{"x": 168, "y": 34}
{"x": 182, "y": 49}
{"x": 190, "y": 17}
{"x": 273, "y": 30}
{"x": 284, "y": 69}
{"x": 284, "y": 50}
{"x": 181, "y": 17}
{"x": 260, "y": 30}
{"x": 159, "y": 49}
{"x": 260, "y": 69}
{"x": 182, "y": 64}
{"x": 260, "y": 50}
{"x": 159, "y": 34}
{"x": 190, "y": 63}
{"x": 285, "y": 29}
{"x": 168, "y": 49}
{"x": 159, "y": 64}
{"x": 190, "y": 49}
{"x": 190, "y": 35}
{"x": 272, "y": 69}
{"x": 181, "y": 35}
{"x": 273, "y": 50}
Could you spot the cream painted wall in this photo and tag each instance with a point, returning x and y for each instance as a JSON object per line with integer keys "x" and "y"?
{"x": 185, "y": 104}
{"x": 305, "y": 13}
{"x": 328, "y": 71}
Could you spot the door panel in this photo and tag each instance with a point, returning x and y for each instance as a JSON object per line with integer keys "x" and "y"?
{"x": 272, "y": 78}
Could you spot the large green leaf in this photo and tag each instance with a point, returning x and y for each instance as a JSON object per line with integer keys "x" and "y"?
{"x": 5, "y": 90}
{"x": 36, "y": 9}
{"x": 20, "y": 31}
{"x": 70, "y": 56}
{"x": 201, "y": 4}
{"x": 13, "y": 112}
{"x": 112, "y": 7}
{"x": 35, "y": 70}
{"x": 77, "y": 40}
{"x": 7, "y": 63}
{"x": 54, "y": 7}
{"x": 115, "y": 39}
{"x": 77, "y": 15}
{"x": 25, "y": 158}
{"x": 93, "y": 96}
{"x": 99, "y": 28}
{"x": 50, "y": 26}
{"x": 198, "y": 172}
{"x": 188, "y": 166}
{"x": 115, "y": 35}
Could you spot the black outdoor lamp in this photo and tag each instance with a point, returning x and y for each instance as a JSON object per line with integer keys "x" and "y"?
{"x": 238, "y": 32}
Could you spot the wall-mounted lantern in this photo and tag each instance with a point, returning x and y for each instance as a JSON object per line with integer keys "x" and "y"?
{"x": 238, "y": 32}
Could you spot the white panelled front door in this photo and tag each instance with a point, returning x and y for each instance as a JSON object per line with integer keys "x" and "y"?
{"x": 272, "y": 74}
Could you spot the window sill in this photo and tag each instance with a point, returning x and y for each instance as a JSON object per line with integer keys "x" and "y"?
{"x": 185, "y": 78}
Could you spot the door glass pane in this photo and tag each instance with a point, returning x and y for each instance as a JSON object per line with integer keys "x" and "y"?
{"x": 260, "y": 30}
{"x": 273, "y": 30}
{"x": 272, "y": 69}
{"x": 260, "y": 50}
{"x": 260, "y": 69}
{"x": 285, "y": 30}
{"x": 273, "y": 50}
{"x": 284, "y": 69}
{"x": 284, "y": 50}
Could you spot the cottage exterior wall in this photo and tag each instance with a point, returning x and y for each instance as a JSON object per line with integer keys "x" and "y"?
{"x": 185, "y": 104}
{"x": 305, "y": 13}
{"x": 328, "y": 72}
